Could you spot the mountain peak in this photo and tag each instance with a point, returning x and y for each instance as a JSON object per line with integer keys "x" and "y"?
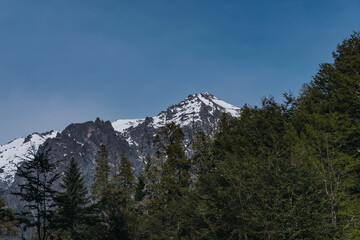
{"x": 135, "y": 136}
{"x": 193, "y": 108}
{"x": 205, "y": 95}
{"x": 215, "y": 103}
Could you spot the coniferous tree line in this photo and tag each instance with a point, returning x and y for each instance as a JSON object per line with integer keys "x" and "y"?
{"x": 280, "y": 171}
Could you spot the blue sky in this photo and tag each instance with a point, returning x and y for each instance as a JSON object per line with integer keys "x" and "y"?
{"x": 72, "y": 61}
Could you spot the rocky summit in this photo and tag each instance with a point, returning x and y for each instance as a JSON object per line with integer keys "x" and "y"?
{"x": 133, "y": 137}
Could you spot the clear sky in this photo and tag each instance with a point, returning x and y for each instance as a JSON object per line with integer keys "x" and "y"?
{"x": 64, "y": 61}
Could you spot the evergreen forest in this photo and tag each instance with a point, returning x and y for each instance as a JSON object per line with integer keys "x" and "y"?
{"x": 287, "y": 170}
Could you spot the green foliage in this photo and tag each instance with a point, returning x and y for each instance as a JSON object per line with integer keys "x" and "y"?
{"x": 100, "y": 187}
{"x": 327, "y": 118}
{"x": 73, "y": 213}
{"x": 170, "y": 169}
{"x": 140, "y": 186}
{"x": 258, "y": 189}
{"x": 175, "y": 172}
{"x": 201, "y": 160}
{"x": 101, "y": 193}
{"x": 121, "y": 219}
{"x": 167, "y": 180}
{"x": 115, "y": 198}
{"x": 153, "y": 190}
{"x": 37, "y": 192}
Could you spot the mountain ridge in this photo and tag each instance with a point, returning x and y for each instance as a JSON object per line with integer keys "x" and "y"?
{"x": 133, "y": 136}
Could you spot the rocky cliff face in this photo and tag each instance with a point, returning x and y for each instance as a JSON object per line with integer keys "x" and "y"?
{"x": 133, "y": 137}
{"x": 82, "y": 141}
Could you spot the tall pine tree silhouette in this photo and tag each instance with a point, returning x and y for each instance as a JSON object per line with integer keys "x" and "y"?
{"x": 100, "y": 187}
{"x": 37, "y": 192}
{"x": 73, "y": 211}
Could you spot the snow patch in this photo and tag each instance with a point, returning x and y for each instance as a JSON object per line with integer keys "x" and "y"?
{"x": 121, "y": 125}
{"x": 188, "y": 110}
{"x": 234, "y": 111}
{"x": 15, "y": 152}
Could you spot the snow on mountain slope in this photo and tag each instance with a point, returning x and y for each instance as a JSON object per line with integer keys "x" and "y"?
{"x": 184, "y": 113}
{"x": 13, "y": 153}
{"x": 216, "y": 103}
{"x": 189, "y": 110}
{"x": 121, "y": 125}
{"x": 205, "y": 108}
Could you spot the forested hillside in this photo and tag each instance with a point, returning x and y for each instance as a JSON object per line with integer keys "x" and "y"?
{"x": 279, "y": 171}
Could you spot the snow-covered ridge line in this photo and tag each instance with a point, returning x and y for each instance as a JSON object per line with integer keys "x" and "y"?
{"x": 13, "y": 153}
{"x": 211, "y": 100}
{"x": 187, "y": 111}
{"x": 196, "y": 107}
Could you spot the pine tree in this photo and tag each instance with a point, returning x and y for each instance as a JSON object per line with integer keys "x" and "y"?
{"x": 121, "y": 212}
{"x": 100, "y": 187}
{"x": 150, "y": 207}
{"x": 257, "y": 188}
{"x": 202, "y": 153}
{"x": 327, "y": 120}
{"x": 173, "y": 184}
{"x": 140, "y": 185}
{"x": 139, "y": 190}
{"x": 123, "y": 179}
{"x": 101, "y": 193}
{"x": 153, "y": 191}
{"x": 37, "y": 192}
{"x": 175, "y": 172}
{"x": 73, "y": 205}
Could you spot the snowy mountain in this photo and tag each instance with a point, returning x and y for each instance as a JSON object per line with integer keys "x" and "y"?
{"x": 185, "y": 113}
{"x": 202, "y": 109}
{"x": 190, "y": 110}
{"x": 121, "y": 125}
{"x": 13, "y": 153}
{"x": 134, "y": 137}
